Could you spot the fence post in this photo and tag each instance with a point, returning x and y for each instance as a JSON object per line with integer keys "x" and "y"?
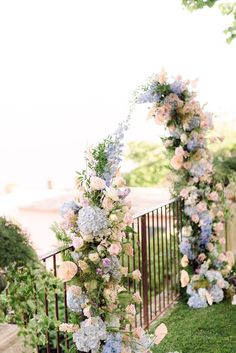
{"x": 144, "y": 270}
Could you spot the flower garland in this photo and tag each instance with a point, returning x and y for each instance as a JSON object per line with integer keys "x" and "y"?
{"x": 206, "y": 266}
{"x": 97, "y": 224}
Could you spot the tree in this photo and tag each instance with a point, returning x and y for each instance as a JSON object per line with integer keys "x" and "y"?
{"x": 226, "y": 8}
{"x": 150, "y": 166}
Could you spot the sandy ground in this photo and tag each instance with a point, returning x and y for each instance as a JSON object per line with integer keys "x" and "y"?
{"x": 37, "y": 211}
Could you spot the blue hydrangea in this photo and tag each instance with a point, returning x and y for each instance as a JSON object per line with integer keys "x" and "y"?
{"x": 206, "y": 228}
{"x": 89, "y": 336}
{"x": 113, "y": 343}
{"x": 198, "y": 170}
{"x": 186, "y": 248}
{"x": 193, "y": 145}
{"x": 92, "y": 220}
{"x": 75, "y": 299}
{"x": 197, "y": 302}
{"x": 143, "y": 344}
{"x": 194, "y": 123}
{"x": 216, "y": 293}
{"x": 114, "y": 268}
{"x": 70, "y": 205}
{"x": 178, "y": 87}
{"x": 190, "y": 210}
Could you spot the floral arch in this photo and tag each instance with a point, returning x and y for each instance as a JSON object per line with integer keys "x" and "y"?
{"x": 97, "y": 224}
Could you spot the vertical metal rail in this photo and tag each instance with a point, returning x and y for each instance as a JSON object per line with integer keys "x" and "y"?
{"x": 56, "y": 304}
{"x": 144, "y": 271}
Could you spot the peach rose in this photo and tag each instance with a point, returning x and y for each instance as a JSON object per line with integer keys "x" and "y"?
{"x": 213, "y": 196}
{"x": 177, "y": 162}
{"x": 137, "y": 298}
{"x": 210, "y": 247}
{"x": 130, "y": 309}
{"x": 230, "y": 258}
{"x": 67, "y": 270}
{"x": 97, "y": 183}
{"x": 184, "y": 261}
{"x": 201, "y": 257}
{"x": 128, "y": 249}
{"x": 219, "y": 187}
{"x": 119, "y": 181}
{"x": 124, "y": 271}
{"x": 160, "y": 333}
{"x": 136, "y": 274}
{"x": 219, "y": 227}
{"x": 107, "y": 203}
{"x": 184, "y": 278}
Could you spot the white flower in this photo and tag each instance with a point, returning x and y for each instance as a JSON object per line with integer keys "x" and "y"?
{"x": 112, "y": 193}
{"x": 97, "y": 183}
{"x": 186, "y": 231}
{"x": 94, "y": 257}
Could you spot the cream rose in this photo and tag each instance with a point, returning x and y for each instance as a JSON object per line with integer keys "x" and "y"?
{"x": 184, "y": 278}
{"x": 97, "y": 183}
{"x": 94, "y": 257}
{"x": 67, "y": 270}
{"x": 136, "y": 274}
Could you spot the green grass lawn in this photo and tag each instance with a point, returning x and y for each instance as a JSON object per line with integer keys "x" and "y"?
{"x": 210, "y": 330}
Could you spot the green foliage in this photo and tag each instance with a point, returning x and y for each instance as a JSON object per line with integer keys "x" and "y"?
{"x": 198, "y": 4}
{"x": 24, "y": 304}
{"x": 226, "y": 8}
{"x": 208, "y": 330}
{"x": 14, "y": 245}
{"x": 150, "y": 161}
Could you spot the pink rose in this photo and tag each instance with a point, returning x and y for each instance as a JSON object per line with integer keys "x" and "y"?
{"x": 195, "y": 218}
{"x": 115, "y": 249}
{"x": 184, "y": 261}
{"x": 213, "y": 196}
{"x": 130, "y": 309}
{"x": 139, "y": 332}
{"x": 137, "y": 298}
{"x": 202, "y": 206}
{"x": 128, "y": 219}
{"x": 77, "y": 242}
{"x": 179, "y": 151}
{"x": 219, "y": 227}
{"x": 184, "y": 193}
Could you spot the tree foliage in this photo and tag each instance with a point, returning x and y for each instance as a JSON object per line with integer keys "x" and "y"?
{"x": 14, "y": 245}
{"x": 150, "y": 165}
{"x": 226, "y": 8}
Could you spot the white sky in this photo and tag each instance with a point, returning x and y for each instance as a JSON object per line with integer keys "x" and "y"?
{"x": 68, "y": 69}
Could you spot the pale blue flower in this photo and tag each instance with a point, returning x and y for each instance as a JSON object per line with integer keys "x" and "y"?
{"x": 113, "y": 343}
{"x": 216, "y": 293}
{"x": 92, "y": 220}
{"x": 75, "y": 299}
{"x": 70, "y": 205}
{"x": 178, "y": 87}
{"x": 197, "y": 302}
{"x": 89, "y": 336}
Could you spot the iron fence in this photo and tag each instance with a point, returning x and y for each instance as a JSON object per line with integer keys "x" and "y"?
{"x": 155, "y": 238}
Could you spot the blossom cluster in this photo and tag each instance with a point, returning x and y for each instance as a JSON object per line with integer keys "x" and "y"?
{"x": 174, "y": 106}
{"x": 97, "y": 225}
